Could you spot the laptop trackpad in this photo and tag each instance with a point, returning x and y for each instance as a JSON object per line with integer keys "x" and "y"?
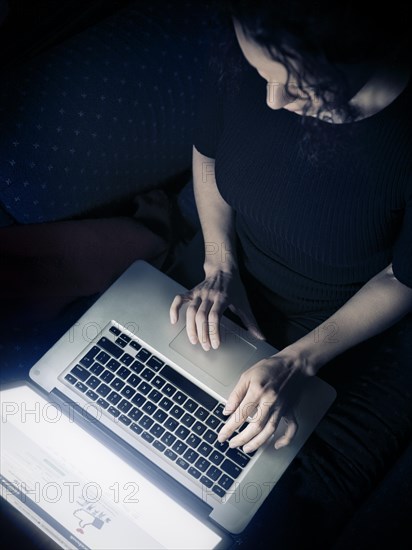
{"x": 224, "y": 364}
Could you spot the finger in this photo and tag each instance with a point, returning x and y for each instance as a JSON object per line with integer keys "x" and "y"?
{"x": 191, "y": 319}
{"x": 262, "y": 415}
{"x": 247, "y": 407}
{"x": 202, "y": 324}
{"x": 290, "y": 432}
{"x": 237, "y": 394}
{"x": 248, "y": 319}
{"x": 266, "y": 432}
{"x": 214, "y": 321}
{"x": 177, "y": 303}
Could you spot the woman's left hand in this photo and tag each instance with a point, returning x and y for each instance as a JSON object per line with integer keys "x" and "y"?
{"x": 260, "y": 394}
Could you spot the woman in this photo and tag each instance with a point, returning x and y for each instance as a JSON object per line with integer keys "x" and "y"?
{"x": 310, "y": 200}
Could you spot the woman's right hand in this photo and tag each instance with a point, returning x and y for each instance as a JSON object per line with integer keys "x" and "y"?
{"x": 207, "y": 302}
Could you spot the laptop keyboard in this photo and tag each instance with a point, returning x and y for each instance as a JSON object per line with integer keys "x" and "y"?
{"x": 160, "y": 406}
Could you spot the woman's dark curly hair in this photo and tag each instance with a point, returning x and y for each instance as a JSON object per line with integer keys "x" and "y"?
{"x": 323, "y": 36}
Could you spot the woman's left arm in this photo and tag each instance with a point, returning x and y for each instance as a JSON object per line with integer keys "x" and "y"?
{"x": 380, "y": 303}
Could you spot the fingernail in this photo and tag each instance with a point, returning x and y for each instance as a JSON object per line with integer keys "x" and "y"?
{"x": 206, "y": 347}
{"x": 279, "y": 445}
{"x": 215, "y": 345}
{"x": 247, "y": 449}
{"x": 232, "y": 444}
{"x": 173, "y": 319}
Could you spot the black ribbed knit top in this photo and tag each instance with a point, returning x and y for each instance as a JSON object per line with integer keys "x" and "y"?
{"x": 312, "y": 232}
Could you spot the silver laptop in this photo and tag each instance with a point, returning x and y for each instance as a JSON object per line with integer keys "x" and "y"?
{"x": 113, "y": 442}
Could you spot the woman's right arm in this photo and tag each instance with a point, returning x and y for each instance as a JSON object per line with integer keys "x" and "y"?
{"x": 222, "y": 286}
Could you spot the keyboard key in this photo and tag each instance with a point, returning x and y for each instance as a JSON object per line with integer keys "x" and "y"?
{"x": 135, "y": 345}
{"x": 115, "y": 330}
{"x": 155, "y": 396}
{"x": 170, "y": 454}
{"x": 124, "y": 406}
{"x": 102, "y": 403}
{"x": 158, "y": 382}
{"x": 190, "y": 405}
{"x": 225, "y": 481}
{"x": 117, "y": 384}
{"x": 135, "y": 414}
{"x": 193, "y": 440}
{"x": 213, "y": 422}
{"x": 171, "y": 424}
{"x": 222, "y": 447}
{"x": 168, "y": 438}
{"x": 123, "y": 373}
{"x": 182, "y": 463}
{"x": 179, "y": 397}
{"x": 107, "y": 376}
{"x": 201, "y": 413}
{"x": 189, "y": 388}
{"x": 144, "y": 387}
{"x": 113, "y": 411}
{"x": 81, "y": 373}
{"x": 159, "y": 446}
{"x": 216, "y": 458}
{"x": 155, "y": 363}
{"x": 93, "y": 382}
{"x": 218, "y": 490}
{"x": 120, "y": 342}
{"x": 124, "y": 337}
{"x": 124, "y": 420}
{"x": 204, "y": 449}
{"x": 143, "y": 355}
{"x": 202, "y": 464}
{"x": 110, "y": 347}
{"x": 103, "y": 390}
{"x": 87, "y": 360}
{"x": 165, "y": 403}
{"x": 191, "y": 455}
{"x": 214, "y": 473}
{"x": 113, "y": 398}
{"x": 157, "y": 430}
{"x": 113, "y": 365}
{"x": 81, "y": 387}
{"x": 210, "y": 436}
{"x": 230, "y": 468}
{"x": 238, "y": 457}
{"x": 169, "y": 390}
{"x": 159, "y": 415}
{"x": 96, "y": 369}
{"x": 182, "y": 432}
{"x": 128, "y": 392}
{"x": 206, "y": 481}
{"x": 92, "y": 395}
{"x": 195, "y": 473}
{"x": 136, "y": 429}
{"x": 126, "y": 359}
{"x": 179, "y": 447}
{"x": 103, "y": 357}
{"x": 199, "y": 428}
{"x": 70, "y": 378}
{"x": 219, "y": 412}
{"x": 147, "y": 374}
{"x": 146, "y": 422}
{"x": 147, "y": 437}
{"x": 134, "y": 380}
{"x": 187, "y": 420}
{"x": 138, "y": 399}
{"x": 136, "y": 366}
{"x": 176, "y": 411}
{"x": 149, "y": 407}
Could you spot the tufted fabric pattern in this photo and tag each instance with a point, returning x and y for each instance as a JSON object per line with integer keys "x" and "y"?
{"x": 106, "y": 114}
